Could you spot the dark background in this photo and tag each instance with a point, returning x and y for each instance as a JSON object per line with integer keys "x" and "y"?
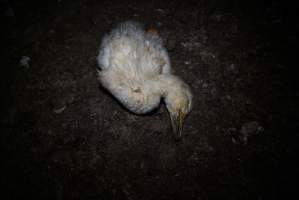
{"x": 63, "y": 137}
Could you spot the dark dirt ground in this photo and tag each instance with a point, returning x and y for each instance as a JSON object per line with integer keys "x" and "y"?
{"x": 63, "y": 137}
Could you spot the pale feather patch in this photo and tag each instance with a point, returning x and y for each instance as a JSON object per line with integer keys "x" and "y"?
{"x": 130, "y": 55}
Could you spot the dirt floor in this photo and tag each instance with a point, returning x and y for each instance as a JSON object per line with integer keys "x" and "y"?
{"x": 63, "y": 137}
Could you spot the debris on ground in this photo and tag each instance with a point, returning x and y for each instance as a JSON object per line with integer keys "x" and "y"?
{"x": 248, "y": 130}
{"x": 59, "y": 110}
{"x": 24, "y": 61}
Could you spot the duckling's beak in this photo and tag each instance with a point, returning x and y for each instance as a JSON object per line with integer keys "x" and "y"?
{"x": 177, "y": 122}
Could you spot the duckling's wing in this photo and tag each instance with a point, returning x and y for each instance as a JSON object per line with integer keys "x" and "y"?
{"x": 120, "y": 45}
{"x": 130, "y": 49}
{"x": 154, "y": 57}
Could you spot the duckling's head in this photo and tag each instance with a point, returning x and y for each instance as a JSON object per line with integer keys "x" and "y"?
{"x": 178, "y": 100}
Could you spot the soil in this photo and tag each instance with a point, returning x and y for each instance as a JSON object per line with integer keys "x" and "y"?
{"x": 64, "y": 137}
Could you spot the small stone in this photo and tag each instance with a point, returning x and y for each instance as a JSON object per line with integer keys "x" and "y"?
{"x": 234, "y": 140}
{"x": 232, "y": 67}
{"x": 159, "y": 10}
{"x": 187, "y": 62}
{"x": 249, "y": 129}
{"x": 24, "y": 62}
{"x": 59, "y": 110}
{"x": 205, "y": 85}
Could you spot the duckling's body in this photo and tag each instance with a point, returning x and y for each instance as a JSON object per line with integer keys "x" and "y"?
{"x": 135, "y": 68}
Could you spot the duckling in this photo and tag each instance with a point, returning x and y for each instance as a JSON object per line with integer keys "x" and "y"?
{"x": 134, "y": 67}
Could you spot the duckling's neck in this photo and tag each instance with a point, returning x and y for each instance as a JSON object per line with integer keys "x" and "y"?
{"x": 164, "y": 84}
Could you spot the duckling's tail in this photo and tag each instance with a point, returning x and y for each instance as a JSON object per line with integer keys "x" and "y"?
{"x": 153, "y": 31}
